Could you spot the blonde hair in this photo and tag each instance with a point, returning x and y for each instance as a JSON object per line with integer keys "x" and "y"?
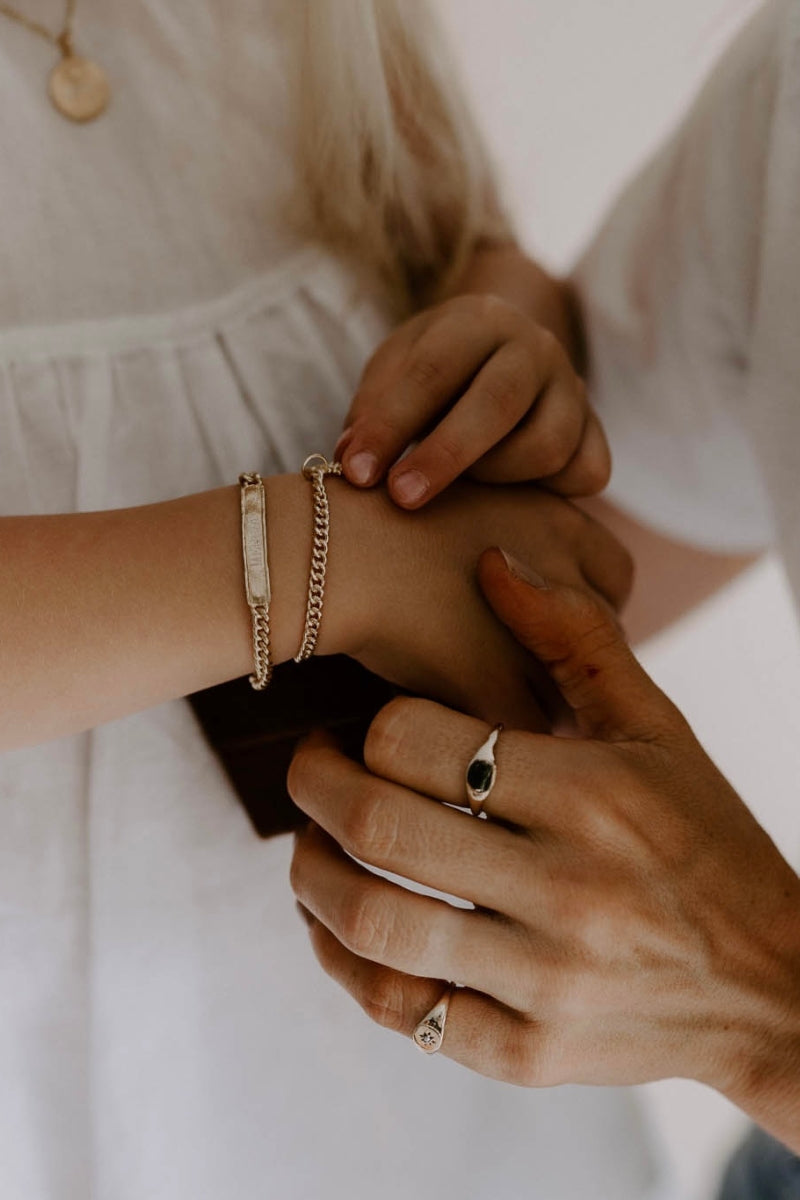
{"x": 392, "y": 171}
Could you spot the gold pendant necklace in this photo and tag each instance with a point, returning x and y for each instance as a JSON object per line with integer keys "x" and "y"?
{"x": 77, "y": 86}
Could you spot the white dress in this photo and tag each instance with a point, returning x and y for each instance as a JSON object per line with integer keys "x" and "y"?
{"x": 165, "y": 1032}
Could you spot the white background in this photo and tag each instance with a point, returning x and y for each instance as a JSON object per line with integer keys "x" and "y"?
{"x": 572, "y": 95}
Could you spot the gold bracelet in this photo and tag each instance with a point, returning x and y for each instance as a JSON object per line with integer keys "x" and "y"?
{"x": 256, "y": 574}
{"x": 315, "y": 469}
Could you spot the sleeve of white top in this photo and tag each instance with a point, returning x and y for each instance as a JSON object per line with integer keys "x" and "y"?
{"x": 668, "y": 289}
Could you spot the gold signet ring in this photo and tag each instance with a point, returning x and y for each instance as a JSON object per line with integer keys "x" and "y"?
{"x": 429, "y": 1034}
{"x": 482, "y": 773}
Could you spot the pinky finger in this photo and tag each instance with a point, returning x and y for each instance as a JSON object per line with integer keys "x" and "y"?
{"x": 479, "y": 1033}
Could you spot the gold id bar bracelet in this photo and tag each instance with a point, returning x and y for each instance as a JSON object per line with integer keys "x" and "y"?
{"x": 256, "y": 564}
{"x": 256, "y": 575}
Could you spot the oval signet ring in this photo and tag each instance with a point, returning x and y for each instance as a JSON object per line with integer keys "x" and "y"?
{"x": 482, "y": 773}
{"x": 429, "y": 1033}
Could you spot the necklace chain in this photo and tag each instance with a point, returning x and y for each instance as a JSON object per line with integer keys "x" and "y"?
{"x": 63, "y": 39}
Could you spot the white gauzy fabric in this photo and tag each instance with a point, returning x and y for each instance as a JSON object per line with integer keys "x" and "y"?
{"x": 164, "y": 1029}
{"x": 692, "y": 296}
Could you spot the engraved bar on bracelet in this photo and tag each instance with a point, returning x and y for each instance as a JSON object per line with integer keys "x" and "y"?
{"x": 256, "y": 575}
{"x": 254, "y": 542}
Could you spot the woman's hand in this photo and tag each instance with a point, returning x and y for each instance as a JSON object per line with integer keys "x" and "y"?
{"x": 406, "y": 586}
{"x": 631, "y": 921}
{"x": 488, "y": 391}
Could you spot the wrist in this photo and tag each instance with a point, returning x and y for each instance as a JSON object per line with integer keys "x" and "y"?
{"x": 762, "y": 1064}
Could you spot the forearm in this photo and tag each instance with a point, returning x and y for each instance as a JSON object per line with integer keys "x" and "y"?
{"x": 507, "y": 272}
{"x": 103, "y": 614}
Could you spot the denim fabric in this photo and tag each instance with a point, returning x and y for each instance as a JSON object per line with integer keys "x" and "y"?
{"x": 762, "y": 1169}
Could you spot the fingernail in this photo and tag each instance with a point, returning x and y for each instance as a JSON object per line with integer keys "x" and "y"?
{"x": 521, "y": 571}
{"x": 362, "y": 467}
{"x": 304, "y": 913}
{"x": 410, "y": 487}
{"x": 342, "y": 442}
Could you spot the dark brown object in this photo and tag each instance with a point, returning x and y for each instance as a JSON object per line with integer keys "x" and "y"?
{"x": 255, "y": 733}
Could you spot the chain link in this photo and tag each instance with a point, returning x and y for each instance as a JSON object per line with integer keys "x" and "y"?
{"x": 315, "y": 469}
{"x": 262, "y": 655}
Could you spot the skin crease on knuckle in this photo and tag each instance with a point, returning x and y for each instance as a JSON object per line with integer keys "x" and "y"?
{"x": 554, "y": 446}
{"x": 487, "y": 308}
{"x": 385, "y": 426}
{"x": 299, "y": 871}
{"x": 382, "y": 999}
{"x": 387, "y": 737}
{"x": 379, "y": 991}
{"x": 523, "y": 1056}
{"x": 451, "y": 456}
{"x": 423, "y": 369}
{"x": 369, "y": 823}
{"x": 594, "y": 638}
{"x": 362, "y": 924}
{"x": 594, "y": 456}
{"x": 506, "y": 392}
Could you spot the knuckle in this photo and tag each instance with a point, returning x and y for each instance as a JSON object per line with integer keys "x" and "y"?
{"x": 508, "y": 393}
{"x": 297, "y": 872}
{"x": 300, "y": 775}
{"x": 588, "y": 472}
{"x": 487, "y": 306}
{"x": 597, "y": 633}
{"x": 594, "y": 454}
{"x": 590, "y": 929}
{"x": 524, "y": 1056}
{"x": 424, "y": 370}
{"x": 383, "y": 1001}
{"x": 362, "y": 929}
{"x": 597, "y": 470}
{"x": 369, "y": 827}
{"x": 390, "y": 732}
{"x": 555, "y": 446}
{"x": 591, "y": 635}
{"x": 570, "y": 989}
{"x": 378, "y": 423}
{"x": 459, "y": 307}
{"x": 547, "y": 344}
{"x": 451, "y": 455}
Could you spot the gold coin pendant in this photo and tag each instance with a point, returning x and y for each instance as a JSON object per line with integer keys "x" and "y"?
{"x": 79, "y": 88}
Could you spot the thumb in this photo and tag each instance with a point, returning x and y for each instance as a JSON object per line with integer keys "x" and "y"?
{"x": 581, "y": 647}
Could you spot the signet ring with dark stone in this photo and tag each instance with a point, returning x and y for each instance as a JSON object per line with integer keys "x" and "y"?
{"x": 482, "y": 773}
